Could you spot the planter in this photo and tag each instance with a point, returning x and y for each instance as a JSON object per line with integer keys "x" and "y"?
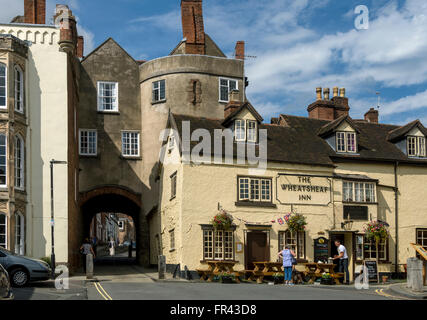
{"x": 385, "y": 279}
{"x": 327, "y": 281}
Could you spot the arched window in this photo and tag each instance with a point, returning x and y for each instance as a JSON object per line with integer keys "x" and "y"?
{"x": 3, "y": 230}
{"x": 19, "y": 234}
{"x": 19, "y": 89}
{"x": 19, "y": 162}
{"x": 3, "y": 160}
{"x": 3, "y": 85}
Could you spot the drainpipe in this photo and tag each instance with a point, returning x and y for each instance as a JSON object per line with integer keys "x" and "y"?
{"x": 396, "y": 199}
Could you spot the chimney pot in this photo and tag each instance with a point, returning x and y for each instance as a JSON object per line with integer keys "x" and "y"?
{"x": 326, "y": 92}
{"x": 342, "y": 92}
{"x": 336, "y": 91}
{"x": 319, "y": 93}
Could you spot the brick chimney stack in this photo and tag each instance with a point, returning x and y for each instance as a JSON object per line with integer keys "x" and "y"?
{"x": 80, "y": 47}
{"x": 240, "y": 50}
{"x": 326, "y": 108}
{"x": 35, "y": 11}
{"x": 193, "y": 27}
{"x": 233, "y": 104}
{"x": 372, "y": 116}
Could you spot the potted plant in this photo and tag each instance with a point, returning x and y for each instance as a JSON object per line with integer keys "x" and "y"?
{"x": 222, "y": 221}
{"x": 377, "y": 231}
{"x": 297, "y": 223}
{"x": 327, "y": 279}
{"x": 385, "y": 279}
{"x": 227, "y": 278}
{"x": 279, "y": 278}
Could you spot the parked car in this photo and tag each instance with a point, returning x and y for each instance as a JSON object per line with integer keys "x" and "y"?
{"x": 23, "y": 270}
{"x": 5, "y": 289}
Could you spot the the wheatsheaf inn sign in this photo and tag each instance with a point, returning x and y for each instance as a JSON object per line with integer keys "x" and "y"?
{"x": 299, "y": 189}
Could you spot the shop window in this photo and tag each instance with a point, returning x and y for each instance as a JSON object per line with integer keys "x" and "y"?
{"x": 3, "y": 230}
{"x": 346, "y": 142}
{"x": 295, "y": 240}
{"x": 218, "y": 245}
{"x": 159, "y": 91}
{"x": 255, "y": 189}
{"x": 108, "y": 96}
{"x": 358, "y": 192}
{"x": 366, "y": 249}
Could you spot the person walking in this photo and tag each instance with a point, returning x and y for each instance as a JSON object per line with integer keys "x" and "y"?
{"x": 287, "y": 255}
{"x": 343, "y": 260}
{"x": 86, "y": 249}
{"x": 112, "y": 245}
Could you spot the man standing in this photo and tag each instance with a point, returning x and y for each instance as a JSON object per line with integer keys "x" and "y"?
{"x": 343, "y": 256}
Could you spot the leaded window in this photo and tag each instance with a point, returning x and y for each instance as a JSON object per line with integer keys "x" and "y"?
{"x": 218, "y": 245}
{"x": 255, "y": 189}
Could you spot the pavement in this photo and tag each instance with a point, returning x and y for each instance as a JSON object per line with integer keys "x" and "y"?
{"x": 402, "y": 290}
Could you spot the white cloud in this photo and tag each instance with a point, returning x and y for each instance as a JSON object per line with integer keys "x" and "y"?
{"x": 408, "y": 103}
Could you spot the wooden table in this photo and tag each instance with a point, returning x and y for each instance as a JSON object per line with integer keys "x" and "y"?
{"x": 316, "y": 270}
{"x": 264, "y": 269}
{"x": 216, "y": 268}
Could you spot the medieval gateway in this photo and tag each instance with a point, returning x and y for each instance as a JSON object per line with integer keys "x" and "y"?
{"x": 103, "y": 114}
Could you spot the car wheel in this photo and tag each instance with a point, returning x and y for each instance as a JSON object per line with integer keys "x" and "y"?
{"x": 19, "y": 278}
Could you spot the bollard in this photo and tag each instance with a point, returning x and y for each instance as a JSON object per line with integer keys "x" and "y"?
{"x": 89, "y": 266}
{"x": 415, "y": 274}
{"x": 162, "y": 267}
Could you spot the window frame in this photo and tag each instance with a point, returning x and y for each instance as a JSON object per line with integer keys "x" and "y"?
{"x": 250, "y": 192}
{"x": 372, "y": 249}
{"x": 115, "y": 106}
{"x": 300, "y": 243}
{"x": 20, "y": 169}
{"x": 174, "y": 182}
{"x": 228, "y": 88}
{"x": 172, "y": 244}
{"x": 130, "y": 132}
{"x": 417, "y": 238}
{"x": 159, "y": 89}
{"x": 417, "y": 144}
{"x": 255, "y": 131}
{"x": 241, "y": 130}
{"x": 364, "y": 190}
{"x": 344, "y": 146}
{"x": 20, "y": 101}
{"x": 5, "y": 86}
{"x": 88, "y": 154}
{"x": 21, "y": 235}
{"x": 5, "y": 230}
{"x": 6, "y": 161}
{"x": 228, "y": 252}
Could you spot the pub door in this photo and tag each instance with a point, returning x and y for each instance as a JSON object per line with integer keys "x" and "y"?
{"x": 257, "y": 248}
{"x": 334, "y": 249}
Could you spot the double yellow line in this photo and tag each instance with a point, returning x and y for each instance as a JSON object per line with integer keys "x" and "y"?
{"x": 382, "y": 293}
{"x": 102, "y": 291}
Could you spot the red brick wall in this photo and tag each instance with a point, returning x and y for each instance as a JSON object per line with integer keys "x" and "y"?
{"x": 80, "y": 47}
{"x": 240, "y": 50}
{"x": 35, "y": 11}
{"x": 193, "y": 26}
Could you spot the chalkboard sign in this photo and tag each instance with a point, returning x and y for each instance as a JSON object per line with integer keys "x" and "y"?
{"x": 372, "y": 270}
{"x": 356, "y": 212}
{"x": 321, "y": 250}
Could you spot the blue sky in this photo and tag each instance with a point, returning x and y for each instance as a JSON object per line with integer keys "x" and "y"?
{"x": 299, "y": 45}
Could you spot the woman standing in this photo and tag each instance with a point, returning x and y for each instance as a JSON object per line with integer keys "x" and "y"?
{"x": 111, "y": 245}
{"x": 287, "y": 255}
{"x": 86, "y": 249}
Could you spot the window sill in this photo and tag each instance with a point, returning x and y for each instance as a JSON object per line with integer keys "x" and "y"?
{"x": 20, "y": 190}
{"x": 109, "y": 112}
{"x": 380, "y": 262}
{"x": 89, "y": 156}
{"x": 158, "y": 102}
{"x": 256, "y": 204}
{"x": 131, "y": 158}
{"x": 361, "y": 203}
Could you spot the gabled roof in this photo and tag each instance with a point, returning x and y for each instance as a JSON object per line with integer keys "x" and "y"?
{"x": 212, "y": 48}
{"x": 109, "y": 40}
{"x": 246, "y": 105}
{"x": 334, "y": 125}
{"x": 399, "y": 133}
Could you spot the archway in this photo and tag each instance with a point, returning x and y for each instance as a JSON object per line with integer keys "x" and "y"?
{"x": 117, "y": 203}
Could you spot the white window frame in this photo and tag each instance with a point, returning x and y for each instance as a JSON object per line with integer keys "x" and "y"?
{"x": 157, "y": 87}
{"x": 5, "y": 86}
{"x": 130, "y": 133}
{"x": 370, "y": 252}
{"x": 218, "y": 245}
{"x": 19, "y": 167}
{"x": 416, "y": 146}
{"x": 19, "y": 234}
{"x": 240, "y": 129}
{"x": 6, "y": 160}
{"x": 19, "y": 94}
{"x": 5, "y": 230}
{"x": 345, "y": 146}
{"x": 88, "y": 132}
{"x": 228, "y": 88}
{"x": 294, "y": 239}
{"x": 362, "y": 187}
{"x": 115, "y": 104}
{"x": 252, "y": 189}
{"x": 252, "y": 131}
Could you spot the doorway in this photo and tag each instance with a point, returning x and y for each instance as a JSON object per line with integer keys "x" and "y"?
{"x": 257, "y": 248}
{"x": 334, "y": 249}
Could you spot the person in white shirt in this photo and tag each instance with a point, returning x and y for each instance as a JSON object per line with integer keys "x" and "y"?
{"x": 343, "y": 256}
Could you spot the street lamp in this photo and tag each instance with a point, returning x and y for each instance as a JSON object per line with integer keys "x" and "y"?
{"x": 52, "y": 215}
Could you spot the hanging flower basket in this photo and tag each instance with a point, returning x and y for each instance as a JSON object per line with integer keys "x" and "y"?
{"x": 376, "y": 230}
{"x": 297, "y": 223}
{"x": 222, "y": 221}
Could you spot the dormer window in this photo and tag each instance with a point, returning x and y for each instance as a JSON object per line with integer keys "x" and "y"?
{"x": 245, "y": 131}
{"x": 346, "y": 142}
{"x": 416, "y": 146}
